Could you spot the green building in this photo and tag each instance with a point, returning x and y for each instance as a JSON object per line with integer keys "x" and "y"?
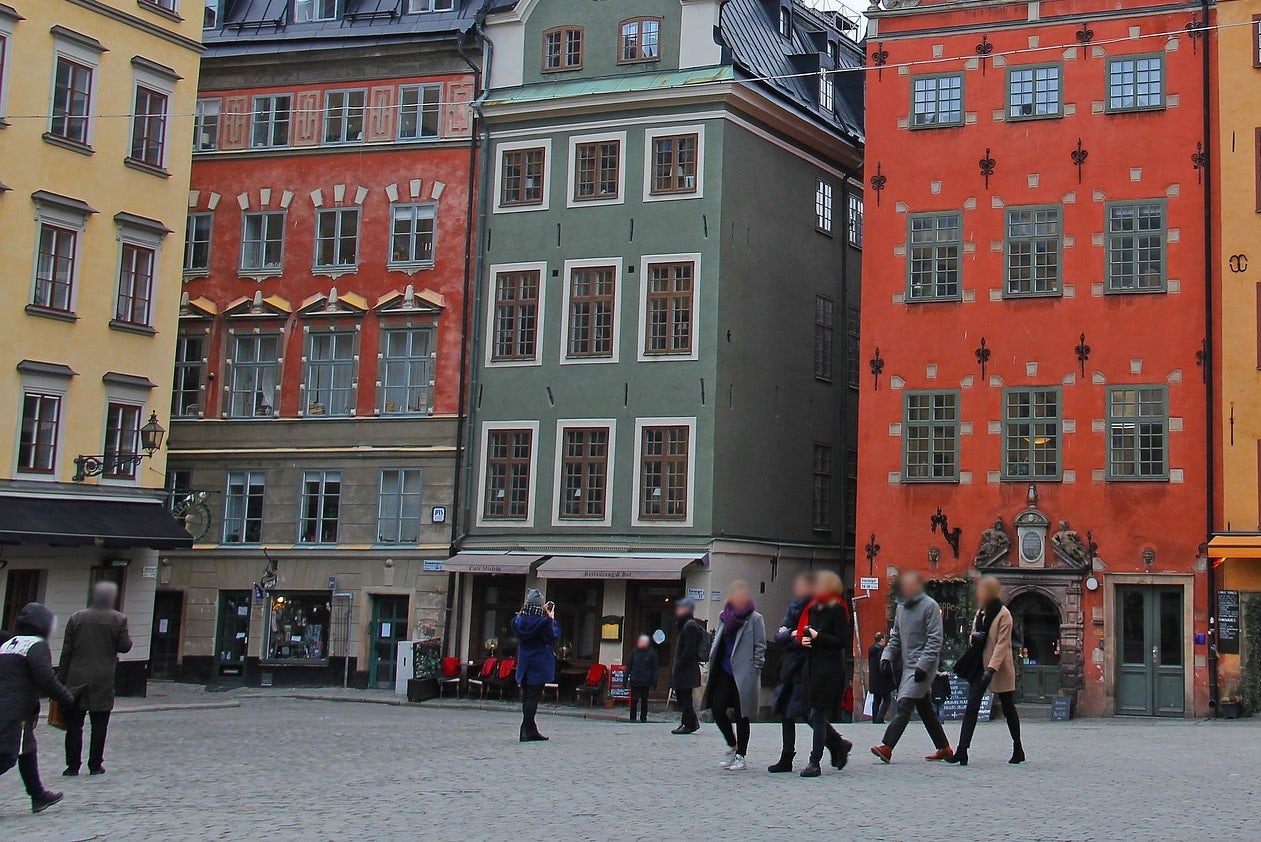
{"x": 663, "y": 383}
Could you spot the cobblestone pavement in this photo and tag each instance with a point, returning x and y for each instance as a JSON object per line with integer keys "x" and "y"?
{"x": 291, "y": 769}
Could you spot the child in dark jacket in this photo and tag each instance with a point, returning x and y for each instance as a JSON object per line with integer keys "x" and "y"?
{"x": 641, "y": 675}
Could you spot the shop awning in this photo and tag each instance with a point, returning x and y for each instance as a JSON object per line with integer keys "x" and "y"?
{"x": 490, "y": 563}
{"x": 615, "y": 567}
{"x": 80, "y": 522}
{"x": 1235, "y": 546}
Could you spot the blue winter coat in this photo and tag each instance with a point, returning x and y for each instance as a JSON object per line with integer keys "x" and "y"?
{"x": 535, "y": 635}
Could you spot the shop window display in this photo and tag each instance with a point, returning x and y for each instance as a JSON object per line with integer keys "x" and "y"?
{"x": 297, "y": 628}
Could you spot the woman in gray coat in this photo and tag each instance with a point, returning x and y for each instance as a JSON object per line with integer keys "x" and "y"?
{"x": 735, "y": 672}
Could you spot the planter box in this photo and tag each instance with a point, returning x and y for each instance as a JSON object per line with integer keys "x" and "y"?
{"x": 1231, "y": 710}
{"x": 422, "y": 689}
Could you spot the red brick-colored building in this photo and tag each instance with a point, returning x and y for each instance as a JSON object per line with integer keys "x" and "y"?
{"x": 1033, "y": 403}
{"x": 317, "y": 406}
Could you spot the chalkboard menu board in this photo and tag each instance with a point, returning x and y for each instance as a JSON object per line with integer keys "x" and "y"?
{"x": 958, "y": 701}
{"x": 1228, "y": 622}
{"x": 1061, "y": 708}
{"x": 618, "y": 688}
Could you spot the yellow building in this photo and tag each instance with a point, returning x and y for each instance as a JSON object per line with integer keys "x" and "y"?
{"x": 1236, "y": 549}
{"x": 95, "y": 146}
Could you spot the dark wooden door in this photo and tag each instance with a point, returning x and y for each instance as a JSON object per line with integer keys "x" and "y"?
{"x": 168, "y": 611}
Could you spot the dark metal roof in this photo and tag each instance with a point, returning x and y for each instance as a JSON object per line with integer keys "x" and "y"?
{"x": 750, "y": 31}
{"x": 260, "y": 26}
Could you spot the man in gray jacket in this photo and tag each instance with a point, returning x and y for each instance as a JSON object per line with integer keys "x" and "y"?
{"x": 915, "y": 641}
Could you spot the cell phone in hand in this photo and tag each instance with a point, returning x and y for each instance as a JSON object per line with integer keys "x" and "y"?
{"x": 550, "y": 606}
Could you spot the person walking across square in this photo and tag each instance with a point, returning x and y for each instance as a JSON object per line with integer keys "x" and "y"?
{"x": 94, "y": 639}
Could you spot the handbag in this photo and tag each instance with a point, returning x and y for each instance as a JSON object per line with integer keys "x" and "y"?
{"x": 56, "y": 716}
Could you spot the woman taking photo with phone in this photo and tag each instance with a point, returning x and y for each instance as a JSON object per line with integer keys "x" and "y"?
{"x": 537, "y": 629}
{"x": 825, "y": 634}
{"x": 989, "y": 665}
{"x": 735, "y": 672}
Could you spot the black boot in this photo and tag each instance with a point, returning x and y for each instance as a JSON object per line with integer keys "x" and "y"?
{"x": 812, "y": 770}
{"x": 839, "y": 749}
{"x": 785, "y": 763}
{"x": 41, "y": 799}
{"x": 1017, "y": 753}
{"x": 960, "y": 756}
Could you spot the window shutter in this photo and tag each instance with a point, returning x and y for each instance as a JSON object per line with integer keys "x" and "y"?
{"x": 380, "y": 114}
{"x": 457, "y": 116}
{"x": 307, "y": 118}
{"x": 234, "y": 129}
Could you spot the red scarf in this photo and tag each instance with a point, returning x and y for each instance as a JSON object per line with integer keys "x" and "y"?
{"x": 804, "y": 622}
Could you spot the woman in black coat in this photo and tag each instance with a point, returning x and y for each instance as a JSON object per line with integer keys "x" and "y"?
{"x": 879, "y": 685}
{"x": 641, "y": 676}
{"x": 825, "y": 634}
{"x": 685, "y": 671}
{"x": 790, "y": 703}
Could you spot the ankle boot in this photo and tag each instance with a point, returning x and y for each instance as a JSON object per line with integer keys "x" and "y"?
{"x": 812, "y": 770}
{"x": 785, "y": 763}
{"x": 1017, "y": 753}
{"x": 960, "y": 756}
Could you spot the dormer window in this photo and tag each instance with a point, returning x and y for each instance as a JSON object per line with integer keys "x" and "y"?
{"x": 306, "y": 11}
{"x": 562, "y": 48}
{"x": 786, "y": 21}
{"x": 417, "y": 6}
{"x": 639, "y": 40}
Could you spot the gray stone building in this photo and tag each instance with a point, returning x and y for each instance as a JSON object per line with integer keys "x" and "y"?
{"x": 663, "y": 393}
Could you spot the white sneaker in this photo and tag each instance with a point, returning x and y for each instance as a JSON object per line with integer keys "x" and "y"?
{"x": 738, "y": 765}
{"x": 729, "y": 758}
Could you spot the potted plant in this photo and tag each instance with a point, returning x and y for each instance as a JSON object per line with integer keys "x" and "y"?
{"x": 1232, "y": 703}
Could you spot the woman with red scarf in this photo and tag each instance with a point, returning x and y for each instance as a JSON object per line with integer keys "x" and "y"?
{"x": 825, "y": 633}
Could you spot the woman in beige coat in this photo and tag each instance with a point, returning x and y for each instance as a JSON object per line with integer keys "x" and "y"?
{"x": 992, "y": 634}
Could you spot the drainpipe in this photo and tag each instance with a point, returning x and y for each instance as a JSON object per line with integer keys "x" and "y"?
{"x": 479, "y": 141}
{"x": 1209, "y": 390}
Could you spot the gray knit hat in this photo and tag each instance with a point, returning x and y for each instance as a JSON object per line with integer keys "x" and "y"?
{"x": 533, "y": 597}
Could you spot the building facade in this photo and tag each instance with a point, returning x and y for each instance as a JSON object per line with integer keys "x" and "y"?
{"x": 94, "y": 176}
{"x": 664, "y": 371}
{"x": 318, "y": 366}
{"x": 1034, "y": 396}
{"x": 1235, "y": 549}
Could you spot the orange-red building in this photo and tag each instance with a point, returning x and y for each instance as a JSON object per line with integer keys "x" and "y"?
{"x": 1033, "y": 399}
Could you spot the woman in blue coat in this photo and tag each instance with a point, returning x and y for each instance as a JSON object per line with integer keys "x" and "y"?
{"x": 537, "y": 629}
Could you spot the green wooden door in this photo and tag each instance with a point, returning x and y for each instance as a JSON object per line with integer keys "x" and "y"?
{"x": 1150, "y": 664}
{"x": 389, "y": 626}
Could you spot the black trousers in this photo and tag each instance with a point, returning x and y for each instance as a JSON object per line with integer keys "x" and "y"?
{"x": 824, "y": 734}
{"x": 74, "y": 738}
{"x": 639, "y": 701}
{"x": 880, "y": 705}
{"x": 28, "y": 768}
{"x": 976, "y": 693}
{"x": 724, "y": 697}
{"x": 902, "y": 716}
{"x": 687, "y": 703}
{"x": 530, "y": 695}
{"x": 789, "y": 726}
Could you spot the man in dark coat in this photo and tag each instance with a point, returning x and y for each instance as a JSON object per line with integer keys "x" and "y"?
{"x": 94, "y": 639}
{"x": 685, "y": 674}
{"x": 641, "y": 676}
{"x": 26, "y": 673}
{"x": 880, "y": 685}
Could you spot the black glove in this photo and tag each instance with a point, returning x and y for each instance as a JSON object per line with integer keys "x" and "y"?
{"x": 978, "y": 637}
{"x": 886, "y": 667}
{"x": 987, "y": 678}
{"x": 920, "y": 675}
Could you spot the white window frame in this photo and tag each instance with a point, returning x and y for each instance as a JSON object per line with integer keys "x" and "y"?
{"x": 644, "y": 262}
{"x": 640, "y": 424}
{"x": 824, "y": 207}
{"x": 562, "y": 425}
{"x": 43, "y": 383}
{"x": 80, "y": 53}
{"x": 315, "y": 11}
{"x": 345, "y": 112}
{"x": 262, "y": 271}
{"x": 548, "y": 164}
{"x": 51, "y": 213}
{"x": 494, "y": 272}
{"x": 532, "y": 502}
{"x": 246, "y": 477}
{"x": 195, "y": 272}
{"x": 323, "y": 476}
{"x": 337, "y": 269}
{"x": 199, "y": 122}
{"x": 136, "y": 395}
{"x": 420, "y": 7}
{"x": 420, "y": 90}
{"x": 145, "y": 238}
{"x": 270, "y": 115}
{"x": 150, "y": 75}
{"x": 650, "y": 137}
{"x": 566, "y": 295}
{"x": 571, "y": 169}
{"x": 399, "y": 516}
{"x": 416, "y": 209}
{"x": 235, "y": 369}
{"x": 210, "y": 17}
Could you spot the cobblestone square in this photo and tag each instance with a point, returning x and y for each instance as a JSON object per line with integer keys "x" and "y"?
{"x": 290, "y": 769}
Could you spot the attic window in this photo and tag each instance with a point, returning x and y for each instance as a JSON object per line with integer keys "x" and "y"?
{"x": 786, "y": 21}
{"x": 307, "y": 11}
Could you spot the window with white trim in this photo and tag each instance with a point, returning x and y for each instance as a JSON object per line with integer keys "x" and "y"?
{"x": 330, "y": 374}
{"x": 639, "y": 40}
{"x": 516, "y": 309}
{"x": 419, "y": 112}
{"x": 406, "y": 371}
{"x": 411, "y": 235}
{"x": 827, "y": 90}
{"x": 56, "y": 265}
{"x": 262, "y": 241}
{"x": 664, "y": 466}
{"x": 197, "y": 230}
{"x": 855, "y": 220}
{"x": 308, "y": 11}
{"x": 337, "y": 238}
{"x": 399, "y": 505}
{"x": 509, "y": 455}
{"x": 40, "y": 432}
{"x": 243, "y": 507}
{"x": 270, "y": 120}
{"x": 122, "y": 440}
{"x": 134, "y": 305}
{"x": 823, "y": 207}
{"x": 592, "y": 296}
{"x": 584, "y": 466}
{"x": 255, "y": 365}
{"x": 190, "y": 375}
{"x": 521, "y": 177}
{"x": 344, "y": 113}
{"x": 321, "y": 507}
{"x": 206, "y": 124}
{"x": 148, "y": 127}
{"x": 419, "y": 6}
{"x": 670, "y": 305}
{"x": 72, "y": 100}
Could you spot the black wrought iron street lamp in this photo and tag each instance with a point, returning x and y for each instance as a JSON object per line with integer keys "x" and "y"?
{"x": 151, "y": 435}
